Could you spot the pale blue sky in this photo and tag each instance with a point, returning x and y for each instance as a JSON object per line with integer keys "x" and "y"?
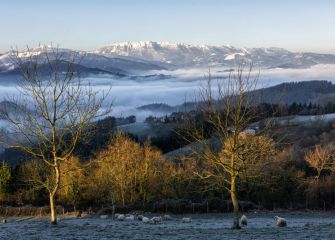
{"x": 298, "y": 25}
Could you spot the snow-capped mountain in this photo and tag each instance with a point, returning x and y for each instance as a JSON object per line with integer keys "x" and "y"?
{"x": 178, "y": 55}
{"x": 136, "y": 58}
{"x": 87, "y": 61}
{"x": 186, "y": 55}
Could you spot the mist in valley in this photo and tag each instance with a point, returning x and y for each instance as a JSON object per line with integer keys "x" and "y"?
{"x": 174, "y": 87}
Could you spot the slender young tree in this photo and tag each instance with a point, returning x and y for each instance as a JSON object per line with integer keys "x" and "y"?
{"x": 53, "y": 112}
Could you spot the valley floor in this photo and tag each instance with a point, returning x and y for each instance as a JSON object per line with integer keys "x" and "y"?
{"x": 301, "y": 225}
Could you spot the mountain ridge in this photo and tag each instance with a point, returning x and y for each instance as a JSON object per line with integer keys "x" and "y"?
{"x": 319, "y": 92}
{"x": 187, "y": 55}
{"x": 143, "y": 56}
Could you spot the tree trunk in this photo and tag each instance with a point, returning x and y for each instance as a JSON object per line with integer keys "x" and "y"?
{"x": 53, "y": 214}
{"x": 234, "y": 200}
{"x": 52, "y": 194}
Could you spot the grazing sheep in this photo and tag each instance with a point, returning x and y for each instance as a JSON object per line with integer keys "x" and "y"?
{"x": 130, "y": 217}
{"x": 186, "y": 220}
{"x": 116, "y": 215}
{"x": 121, "y": 217}
{"x": 243, "y": 220}
{"x": 156, "y": 220}
{"x": 84, "y": 214}
{"x": 4, "y": 220}
{"x": 103, "y": 216}
{"x": 145, "y": 220}
{"x": 167, "y": 217}
{"x": 281, "y": 222}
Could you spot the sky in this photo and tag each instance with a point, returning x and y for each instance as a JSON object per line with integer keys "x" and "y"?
{"x": 297, "y": 25}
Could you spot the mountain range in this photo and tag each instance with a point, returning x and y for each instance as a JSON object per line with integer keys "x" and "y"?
{"x": 132, "y": 58}
{"x": 187, "y": 55}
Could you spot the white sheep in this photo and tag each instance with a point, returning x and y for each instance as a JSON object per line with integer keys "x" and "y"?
{"x": 167, "y": 217}
{"x": 156, "y": 220}
{"x": 140, "y": 217}
{"x": 121, "y": 217}
{"x": 103, "y": 216}
{"x": 130, "y": 217}
{"x": 84, "y": 214}
{"x": 186, "y": 220}
{"x": 145, "y": 220}
{"x": 243, "y": 220}
{"x": 281, "y": 222}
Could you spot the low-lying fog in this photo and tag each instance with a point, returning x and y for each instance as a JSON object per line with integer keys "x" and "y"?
{"x": 177, "y": 87}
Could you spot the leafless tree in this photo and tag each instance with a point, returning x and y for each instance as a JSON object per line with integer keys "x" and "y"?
{"x": 53, "y": 111}
{"x": 227, "y": 107}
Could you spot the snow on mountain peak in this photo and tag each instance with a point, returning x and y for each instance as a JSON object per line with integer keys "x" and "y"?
{"x": 188, "y": 55}
{"x": 156, "y": 55}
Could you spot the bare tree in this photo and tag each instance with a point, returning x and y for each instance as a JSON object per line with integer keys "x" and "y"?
{"x": 227, "y": 108}
{"x": 53, "y": 111}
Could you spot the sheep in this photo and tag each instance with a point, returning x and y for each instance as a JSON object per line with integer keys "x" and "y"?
{"x": 130, "y": 217}
{"x": 83, "y": 214}
{"x": 186, "y": 220}
{"x": 4, "y": 220}
{"x": 121, "y": 217}
{"x": 281, "y": 222}
{"x": 140, "y": 217}
{"x": 243, "y": 220}
{"x": 167, "y": 217}
{"x": 103, "y": 216}
{"x": 145, "y": 220}
{"x": 156, "y": 220}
